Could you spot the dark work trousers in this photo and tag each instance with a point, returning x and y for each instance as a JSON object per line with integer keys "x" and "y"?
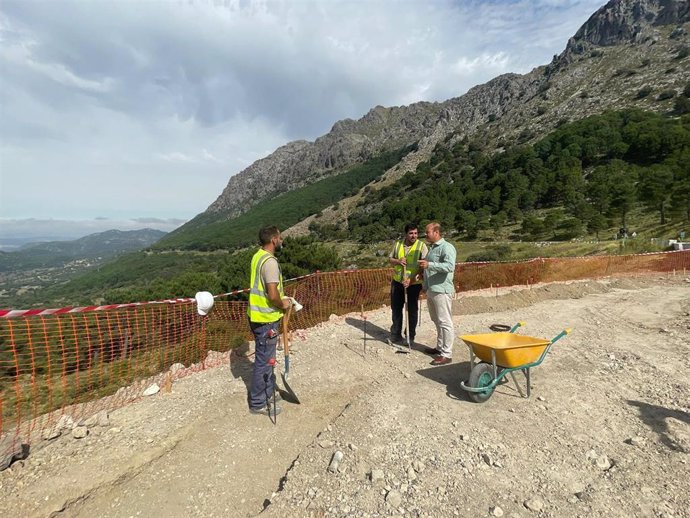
{"x": 397, "y": 304}
{"x": 266, "y": 339}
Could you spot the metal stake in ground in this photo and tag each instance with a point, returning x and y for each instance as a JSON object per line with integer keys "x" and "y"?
{"x": 364, "y": 317}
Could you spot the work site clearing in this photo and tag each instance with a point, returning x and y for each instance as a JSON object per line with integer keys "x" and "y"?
{"x": 606, "y": 431}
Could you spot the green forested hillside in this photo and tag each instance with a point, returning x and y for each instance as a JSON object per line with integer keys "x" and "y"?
{"x": 202, "y": 233}
{"x": 154, "y": 276}
{"x": 584, "y": 177}
{"x": 597, "y": 170}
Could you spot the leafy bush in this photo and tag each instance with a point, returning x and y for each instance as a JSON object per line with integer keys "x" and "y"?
{"x": 666, "y": 94}
{"x": 682, "y": 105}
{"x": 644, "y": 92}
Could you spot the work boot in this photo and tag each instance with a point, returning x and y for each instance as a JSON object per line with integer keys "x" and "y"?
{"x": 397, "y": 339}
{"x": 266, "y": 410}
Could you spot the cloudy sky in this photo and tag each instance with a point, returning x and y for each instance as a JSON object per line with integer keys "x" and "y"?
{"x": 135, "y": 113}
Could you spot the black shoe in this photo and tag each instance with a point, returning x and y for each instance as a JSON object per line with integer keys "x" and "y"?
{"x": 397, "y": 340}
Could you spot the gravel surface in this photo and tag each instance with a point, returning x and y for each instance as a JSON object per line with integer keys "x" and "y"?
{"x": 606, "y": 431}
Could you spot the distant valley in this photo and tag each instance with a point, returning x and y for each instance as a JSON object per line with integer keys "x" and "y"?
{"x": 38, "y": 265}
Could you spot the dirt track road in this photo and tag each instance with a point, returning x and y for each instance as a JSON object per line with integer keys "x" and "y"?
{"x": 605, "y": 433}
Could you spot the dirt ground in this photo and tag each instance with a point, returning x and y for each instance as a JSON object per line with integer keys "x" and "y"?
{"x": 606, "y": 431}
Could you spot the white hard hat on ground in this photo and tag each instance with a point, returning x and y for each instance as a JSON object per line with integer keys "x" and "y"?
{"x": 204, "y": 302}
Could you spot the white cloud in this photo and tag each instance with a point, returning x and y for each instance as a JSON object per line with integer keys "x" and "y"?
{"x": 145, "y": 109}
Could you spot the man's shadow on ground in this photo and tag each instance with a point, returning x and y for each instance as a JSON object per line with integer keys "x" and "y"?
{"x": 371, "y": 333}
{"x": 656, "y": 417}
{"x": 242, "y": 367}
{"x": 452, "y": 374}
{"x": 374, "y": 335}
{"x": 449, "y": 375}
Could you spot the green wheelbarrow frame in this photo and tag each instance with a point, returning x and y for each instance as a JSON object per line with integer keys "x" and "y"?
{"x": 488, "y": 376}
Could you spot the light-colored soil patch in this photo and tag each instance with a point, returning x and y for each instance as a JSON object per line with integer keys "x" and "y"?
{"x": 605, "y": 433}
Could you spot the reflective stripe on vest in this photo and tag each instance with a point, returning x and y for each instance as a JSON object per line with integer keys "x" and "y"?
{"x": 412, "y": 259}
{"x": 260, "y": 308}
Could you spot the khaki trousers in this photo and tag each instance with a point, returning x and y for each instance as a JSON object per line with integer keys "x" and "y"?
{"x": 441, "y": 313}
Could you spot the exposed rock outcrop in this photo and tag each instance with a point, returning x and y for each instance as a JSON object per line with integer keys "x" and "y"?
{"x": 568, "y": 88}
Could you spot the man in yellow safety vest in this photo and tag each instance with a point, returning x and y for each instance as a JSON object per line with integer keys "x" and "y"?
{"x": 404, "y": 257}
{"x": 267, "y": 303}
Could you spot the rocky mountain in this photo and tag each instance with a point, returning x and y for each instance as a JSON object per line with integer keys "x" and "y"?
{"x": 628, "y": 21}
{"x": 640, "y": 36}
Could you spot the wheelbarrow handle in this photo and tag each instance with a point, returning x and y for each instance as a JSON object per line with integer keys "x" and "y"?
{"x": 560, "y": 335}
{"x": 516, "y": 326}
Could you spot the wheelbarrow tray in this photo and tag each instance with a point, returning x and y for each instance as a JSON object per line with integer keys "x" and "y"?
{"x": 512, "y": 350}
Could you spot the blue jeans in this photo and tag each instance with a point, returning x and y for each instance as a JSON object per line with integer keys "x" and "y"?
{"x": 263, "y": 382}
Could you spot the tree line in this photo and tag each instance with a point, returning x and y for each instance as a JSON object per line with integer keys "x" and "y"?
{"x": 596, "y": 169}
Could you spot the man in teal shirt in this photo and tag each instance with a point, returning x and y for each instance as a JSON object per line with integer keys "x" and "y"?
{"x": 439, "y": 267}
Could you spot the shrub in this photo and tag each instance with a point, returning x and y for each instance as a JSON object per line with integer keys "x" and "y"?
{"x": 644, "y": 92}
{"x": 666, "y": 94}
{"x": 625, "y": 72}
{"x": 682, "y": 105}
{"x": 683, "y": 52}
{"x": 677, "y": 33}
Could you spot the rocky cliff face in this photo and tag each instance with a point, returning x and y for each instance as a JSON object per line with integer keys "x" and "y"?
{"x": 349, "y": 142}
{"x": 625, "y": 21}
{"x": 515, "y": 101}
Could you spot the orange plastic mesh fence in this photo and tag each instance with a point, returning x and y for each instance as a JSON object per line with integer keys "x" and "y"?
{"x": 76, "y": 362}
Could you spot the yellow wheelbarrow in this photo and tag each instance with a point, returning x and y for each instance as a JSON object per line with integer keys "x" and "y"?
{"x": 501, "y": 354}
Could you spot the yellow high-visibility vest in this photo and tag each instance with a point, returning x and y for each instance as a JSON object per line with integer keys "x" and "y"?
{"x": 412, "y": 259}
{"x": 260, "y": 309}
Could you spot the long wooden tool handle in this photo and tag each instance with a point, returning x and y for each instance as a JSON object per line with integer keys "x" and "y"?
{"x": 286, "y": 320}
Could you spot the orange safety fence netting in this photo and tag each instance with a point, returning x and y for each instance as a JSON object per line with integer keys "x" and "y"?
{"x": 76, "y": 362}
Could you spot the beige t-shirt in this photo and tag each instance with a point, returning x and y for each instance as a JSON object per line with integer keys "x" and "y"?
{"x": 270, "y": 271}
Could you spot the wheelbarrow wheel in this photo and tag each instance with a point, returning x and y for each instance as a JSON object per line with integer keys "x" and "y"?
{"x": 481, "y": 376}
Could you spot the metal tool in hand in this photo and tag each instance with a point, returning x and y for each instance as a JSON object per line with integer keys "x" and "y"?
{"x": 286, "y": 349}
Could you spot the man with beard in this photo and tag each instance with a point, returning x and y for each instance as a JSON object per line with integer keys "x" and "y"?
{"x": 406, "y": 284}
{"x": 267, "y": 304}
